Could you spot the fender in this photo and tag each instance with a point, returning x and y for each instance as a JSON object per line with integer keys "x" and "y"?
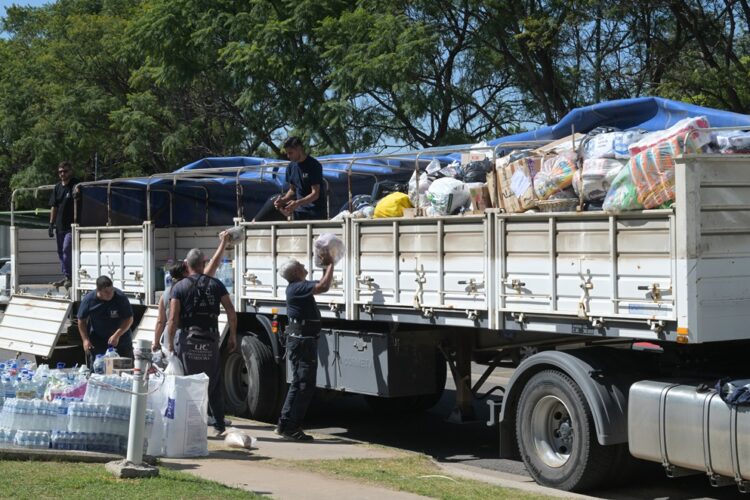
{"x": 273, "y": 340}
{"x": 604, "y": 376}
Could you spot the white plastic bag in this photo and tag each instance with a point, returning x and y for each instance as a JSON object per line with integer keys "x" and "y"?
{"x": 157, "y": 401}
{"x": 328, "y": 246}
{"x": 185, "y": 416}
{"x": 448, "y": 195}
{"x": 238, "y": 439}
{"x": 174, "y": 365}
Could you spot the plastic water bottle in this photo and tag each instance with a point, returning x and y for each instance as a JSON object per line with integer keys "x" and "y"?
{"x": 167, "y": 276}
{"x": 111, "y": 353}
{"x": 227, "y": 275}
{"x": 99, "y": 364}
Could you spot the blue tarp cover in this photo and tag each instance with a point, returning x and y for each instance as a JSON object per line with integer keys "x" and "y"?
{"x": 129, "y": 207}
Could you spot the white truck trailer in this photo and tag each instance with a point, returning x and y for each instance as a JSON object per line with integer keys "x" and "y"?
{"x": 568, "y": 299}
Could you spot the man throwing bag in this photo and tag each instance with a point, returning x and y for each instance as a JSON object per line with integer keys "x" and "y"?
{"x": 194, "y": 306}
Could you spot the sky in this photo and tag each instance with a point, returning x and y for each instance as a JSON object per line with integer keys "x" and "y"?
{"x": 36, "y": 3}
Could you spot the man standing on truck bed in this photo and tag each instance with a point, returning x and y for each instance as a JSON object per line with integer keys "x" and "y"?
{"x": 194, "y": 306}
{"x": 301, "y": 344}
{"x": 306, "y": 197}
{"x": 61, "y": 217}
{"x": 104, "y": 319}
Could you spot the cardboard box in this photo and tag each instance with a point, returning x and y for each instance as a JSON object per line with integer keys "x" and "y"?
{"x": 480, "y": 198}
{"x": 517, "y": 186}
{"x": 112, "y": 366}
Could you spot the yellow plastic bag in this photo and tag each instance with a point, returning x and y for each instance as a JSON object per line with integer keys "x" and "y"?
{"x": 392, "y": 205}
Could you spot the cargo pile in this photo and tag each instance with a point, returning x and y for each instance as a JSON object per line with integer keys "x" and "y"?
{"x": 607, "y": 170}
{"x": 65, "y": 409}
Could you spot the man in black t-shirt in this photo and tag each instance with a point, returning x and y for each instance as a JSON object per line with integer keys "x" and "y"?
{"x": 104, "y": 320}
{"x": 306, "y": 197}
{"x": 194, "y": 306}
{"x": 301, "y": 344}
{"x": 61, "y": 217}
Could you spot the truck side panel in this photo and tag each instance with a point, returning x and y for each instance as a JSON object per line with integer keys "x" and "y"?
{"x": 713, "y": 200}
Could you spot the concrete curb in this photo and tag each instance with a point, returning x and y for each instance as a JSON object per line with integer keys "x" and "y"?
{"x": 89, "y": 457}
{"x": 505, "y": 480}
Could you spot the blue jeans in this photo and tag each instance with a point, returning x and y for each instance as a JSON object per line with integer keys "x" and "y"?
{"x": 65, "y": 251}
{"x": 302, "y": 353}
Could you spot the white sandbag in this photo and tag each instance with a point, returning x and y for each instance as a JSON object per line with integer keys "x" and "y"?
{"x": 238, "y": 439}
{"x": 596, "y": 177}
{"x": 733, "y": 142}
{"x": 448, "y": 195}
{"x": 185, "y": 416}
{"x": 174, "y": 365}
{"x": 611, "y": 145}
{"x": 328, "y": 247}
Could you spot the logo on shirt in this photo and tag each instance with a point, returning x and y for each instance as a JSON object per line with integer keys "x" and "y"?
{"x": 305, "y": 175}
{"x": 114, "y": 314}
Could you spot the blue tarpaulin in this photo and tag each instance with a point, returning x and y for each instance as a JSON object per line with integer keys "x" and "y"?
{"x": 647, "y": 113}
{"x": 213, "y": 201}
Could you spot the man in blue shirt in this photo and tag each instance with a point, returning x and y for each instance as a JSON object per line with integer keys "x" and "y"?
{"x": 306, "y": 197}
{"x": 301, "y": 344}
{"x": 104, "y": 319}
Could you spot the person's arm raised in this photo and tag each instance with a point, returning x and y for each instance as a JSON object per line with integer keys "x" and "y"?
{"x": 324, "y": 284}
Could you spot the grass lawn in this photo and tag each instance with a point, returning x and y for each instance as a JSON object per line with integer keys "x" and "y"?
{"x": 414, "y": 474}
{"x": 91, "y": 481}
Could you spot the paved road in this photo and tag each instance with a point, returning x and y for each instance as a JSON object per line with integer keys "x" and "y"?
{"x": 475, "y": 443}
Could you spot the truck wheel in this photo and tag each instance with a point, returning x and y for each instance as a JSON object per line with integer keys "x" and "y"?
{"x": 556, "y": 434}
{"x": 262, "y": 380}
{"x": 235, "y": 384}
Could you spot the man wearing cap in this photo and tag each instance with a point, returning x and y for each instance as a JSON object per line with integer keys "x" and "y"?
{"x": 194, "y": 306}
{"x": 301, "y": 344}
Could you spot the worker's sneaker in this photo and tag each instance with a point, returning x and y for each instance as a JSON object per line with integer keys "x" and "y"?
{"x": 219, "y": 433}
{"x": 212, "y": 421}
{"x": 59, "y": 283}
{"x": 294, "y": 435}
{"x": 67, "y": 283}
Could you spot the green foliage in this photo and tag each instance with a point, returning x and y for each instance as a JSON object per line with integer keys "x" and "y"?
{"x": 144, "y": 86}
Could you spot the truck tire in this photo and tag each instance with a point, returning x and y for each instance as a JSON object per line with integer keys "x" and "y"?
{"x": 413, "y": 404}
{"x": 235, "y": 380}
{"x": 262, "y": 380}
{"x": 556, "y": 435}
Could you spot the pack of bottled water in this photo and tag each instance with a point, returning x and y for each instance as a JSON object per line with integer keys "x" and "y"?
{"x": 33, "y": 414}
{"x": 109, "y": 389}
{"x": 39, "y": 440}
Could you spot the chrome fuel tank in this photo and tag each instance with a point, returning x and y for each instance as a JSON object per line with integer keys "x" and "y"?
{"x": 690, "y": 427}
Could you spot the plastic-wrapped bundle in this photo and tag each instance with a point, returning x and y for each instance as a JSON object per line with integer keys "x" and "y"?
{"x": 622, "y": 195}
{"x": 556, "y": 174}
{"x": 689, "y": 127}
{"x": 652, "y": 170}
{"x": 595, "y": 178}
{"x": 329, "y": 248}
{"x": 613, "y": 145}
{"x": 447, "y": 196}
{"x": 736, "y": 142}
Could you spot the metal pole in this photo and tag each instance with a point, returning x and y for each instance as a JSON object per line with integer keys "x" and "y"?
{"x": 138, "y": 401}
